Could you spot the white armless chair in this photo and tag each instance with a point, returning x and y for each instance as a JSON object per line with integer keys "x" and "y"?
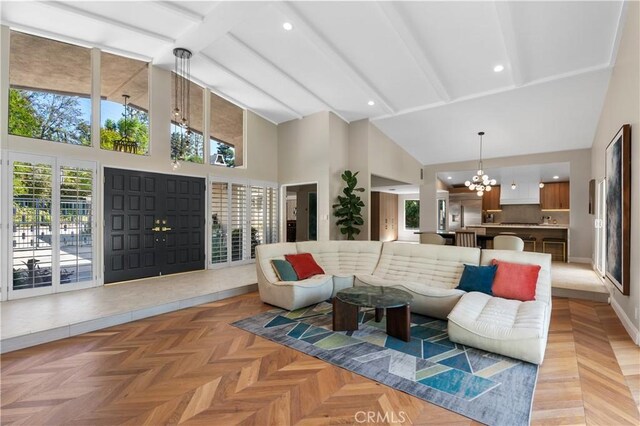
{"x": 432, "y": 238}
{"x": 508, "y": 242}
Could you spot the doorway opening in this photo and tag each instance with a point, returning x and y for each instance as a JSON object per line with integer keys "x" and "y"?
{"x": 301, "y": 212}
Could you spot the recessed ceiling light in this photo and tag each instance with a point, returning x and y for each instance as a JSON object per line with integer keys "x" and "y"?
{"x": 371, "y": 103}
{"x": 288, "y": 26}
{"x": 556, "y": 177}
{"x": 449, "y": 177}
{"x": 498, "y": 68}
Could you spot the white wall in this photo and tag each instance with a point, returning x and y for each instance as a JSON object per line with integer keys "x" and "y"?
{"x": 403, "y": 233}
{"x": 359, "y": 161}
{"x": 338, "y": 163}
{"x": 622, "y": 106}
{"x": 581, "y": 232}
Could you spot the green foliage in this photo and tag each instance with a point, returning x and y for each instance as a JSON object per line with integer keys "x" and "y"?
{"x": 48, "y": 116}
{"x": 136, "y": 128}
{"x": 187, "y": 149}
{"x": 23, "y": 120}
{"x": 348, "y": 210}
{"x": 412, "y": 214}
{"x": 228, "y": 153}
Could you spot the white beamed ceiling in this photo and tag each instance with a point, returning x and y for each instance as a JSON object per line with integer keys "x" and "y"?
{"x": 427, "y": 65}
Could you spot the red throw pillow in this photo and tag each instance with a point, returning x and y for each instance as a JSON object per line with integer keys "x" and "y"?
{"x": 304, "y": 265}
{"x": 515, "y": 280}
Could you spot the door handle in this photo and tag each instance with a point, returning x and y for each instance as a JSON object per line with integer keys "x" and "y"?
{"x": 166, "y": 228}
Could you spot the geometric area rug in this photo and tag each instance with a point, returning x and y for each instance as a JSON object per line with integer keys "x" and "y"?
{"x": 486, "y": 387}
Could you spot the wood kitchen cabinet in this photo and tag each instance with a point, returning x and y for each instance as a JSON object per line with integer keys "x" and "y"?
{"x": 555, "y": 196}
{"x": 491, "y": 199}
{"x": 384, "y": 216}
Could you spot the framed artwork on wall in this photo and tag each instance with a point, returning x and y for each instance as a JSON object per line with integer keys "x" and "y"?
{"x": 618, "y": 209}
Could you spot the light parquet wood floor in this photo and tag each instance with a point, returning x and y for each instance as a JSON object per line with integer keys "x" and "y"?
{"x": 192, "y": 367}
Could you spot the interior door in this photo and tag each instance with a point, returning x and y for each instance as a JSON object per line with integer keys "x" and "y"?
{"x": 154, "y": 224}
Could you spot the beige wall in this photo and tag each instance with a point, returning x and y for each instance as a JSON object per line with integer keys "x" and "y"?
{"x": 319, "y": 147}
{"x": 621, "y": 106}
{"x": 581, "y": 235}
{"x": 339, "y": 162}
{"x": 359, "y": 161}
{"x": 303, "y": 153}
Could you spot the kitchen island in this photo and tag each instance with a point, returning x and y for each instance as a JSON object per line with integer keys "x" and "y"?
{"x": 533, "y": 232}
{"x": 528, "y": 232}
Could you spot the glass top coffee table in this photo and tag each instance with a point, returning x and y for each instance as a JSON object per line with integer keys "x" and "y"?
{"x": 347, "y": 303}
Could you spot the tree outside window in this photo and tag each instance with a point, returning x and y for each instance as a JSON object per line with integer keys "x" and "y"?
{"x": 412, "y": 214}
{"x": 50, "y": 90}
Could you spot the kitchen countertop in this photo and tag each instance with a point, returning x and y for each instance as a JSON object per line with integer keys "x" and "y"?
{"x": 499, "y": 225}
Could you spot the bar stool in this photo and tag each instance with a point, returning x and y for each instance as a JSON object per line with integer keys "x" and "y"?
{"x": 529, "y": 239}
{"x": 561, "y": 241}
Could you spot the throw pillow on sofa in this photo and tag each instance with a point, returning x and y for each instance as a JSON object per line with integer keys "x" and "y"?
{"x": 304, "y": 264}
{"x": 284, "y": 270}
{"x": 477, "y": 278}
{"x": 515, "y": 280}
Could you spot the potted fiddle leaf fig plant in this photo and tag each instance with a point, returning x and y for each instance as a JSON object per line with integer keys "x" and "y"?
{"x": 348, "y": 210}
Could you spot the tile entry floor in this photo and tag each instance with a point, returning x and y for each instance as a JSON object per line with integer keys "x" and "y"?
{"x": 56, "y": 316}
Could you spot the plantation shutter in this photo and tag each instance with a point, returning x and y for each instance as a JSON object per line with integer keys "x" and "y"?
{"x": 219, "y": 222}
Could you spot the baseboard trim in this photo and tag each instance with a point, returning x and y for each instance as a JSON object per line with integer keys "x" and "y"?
{"x": 580, "y": 259}
{"x": 37, "y": 338}
{"x": 626, "y": 322}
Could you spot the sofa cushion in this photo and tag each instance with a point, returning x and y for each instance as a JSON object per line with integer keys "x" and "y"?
{"x": 284, "y": 270}
{"x": 477, "y": 278}
{"x": 435, "y": 266}
{"x": 515, "y": 280}
{"x": 543, "y": 285}
{"x": 343, "y": 257}
{"x": 265, "y": 253}
{"x": 507, "y": 327}
{"x": 304, "y": 265}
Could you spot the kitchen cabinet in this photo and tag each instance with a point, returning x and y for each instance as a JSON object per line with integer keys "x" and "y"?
{"x": 384, "y": 216}
{"x": 491, "y": 199}
{"x": 555, "y": 196}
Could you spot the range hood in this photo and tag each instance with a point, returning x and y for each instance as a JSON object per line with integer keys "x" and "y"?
{"x": 525, "y": 193}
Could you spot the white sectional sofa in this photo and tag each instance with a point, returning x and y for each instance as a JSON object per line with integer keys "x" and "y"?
{"x": 431, "y": 274}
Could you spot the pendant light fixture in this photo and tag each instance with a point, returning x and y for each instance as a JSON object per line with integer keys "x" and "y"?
{"x": 480, "y": 182}
{"x": 181, "y": 110}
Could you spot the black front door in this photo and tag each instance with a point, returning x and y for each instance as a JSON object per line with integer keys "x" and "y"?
{"x": 154, "y": 224}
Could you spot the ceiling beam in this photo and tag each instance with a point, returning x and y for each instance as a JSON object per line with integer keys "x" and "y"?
{"x": 266, "y": 62}
{"x": 107, "y": 20}
{"x": 550, "y": 79}
{"x": 72, "y": 40}
{"x": 618, "y": 35}
{"x": 333, "y": 54}
{"x": 404, "y": 31}
{"x": 509, "y": 37}
{"x": 232, "y": 74}
{"x": 176, "y": 8}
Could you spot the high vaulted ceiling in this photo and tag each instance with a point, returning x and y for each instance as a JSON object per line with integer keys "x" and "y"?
{"x": 427, "y": 66}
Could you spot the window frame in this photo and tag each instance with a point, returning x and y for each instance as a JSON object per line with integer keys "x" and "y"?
{"x": 56, "y": 287}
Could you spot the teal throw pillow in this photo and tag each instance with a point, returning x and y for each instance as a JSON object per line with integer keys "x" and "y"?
{"x": 477, "y": 278}
{"x": 284, "y": 270}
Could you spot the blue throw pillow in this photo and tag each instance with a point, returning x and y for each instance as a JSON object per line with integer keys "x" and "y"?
{"x": 477, "y": 278}
{"x": 284, "y": 270}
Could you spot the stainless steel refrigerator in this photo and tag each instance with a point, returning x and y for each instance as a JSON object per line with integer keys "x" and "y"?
{"x": 464, "y": 213}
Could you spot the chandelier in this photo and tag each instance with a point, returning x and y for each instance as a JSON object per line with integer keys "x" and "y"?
{"x": 480, "y": 182}
{"x": 181, "y": 139}
{"x": 124, "y": 143}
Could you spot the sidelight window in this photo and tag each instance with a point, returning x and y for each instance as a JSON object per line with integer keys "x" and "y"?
{"x": 243, "y": 215}
{"x": 51, "y": 247}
